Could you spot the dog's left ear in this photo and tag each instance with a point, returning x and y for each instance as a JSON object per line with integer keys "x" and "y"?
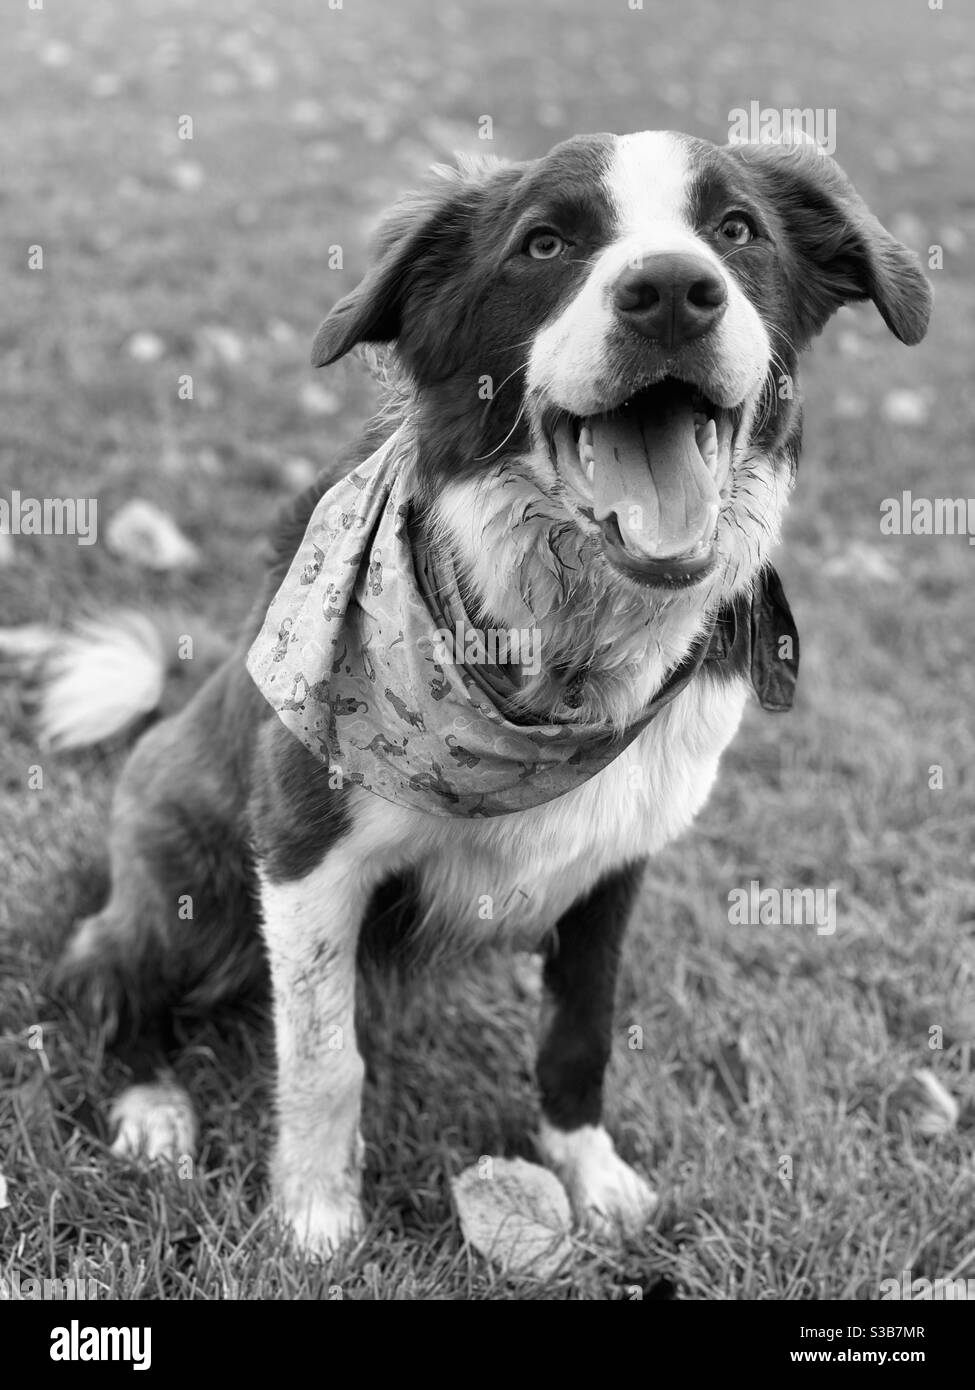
{"x": 844, "y": 253}
{"x": 418, "y": 241}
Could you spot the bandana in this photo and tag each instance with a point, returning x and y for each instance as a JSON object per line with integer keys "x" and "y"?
{"x": 365, "y": 656}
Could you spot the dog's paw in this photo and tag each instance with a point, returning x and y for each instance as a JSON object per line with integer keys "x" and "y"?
{"x": 608, "y": 1197}
{"x": 612, "y": 1200}
{"x": 155, "y": 1123}
{"x": 320, "y": 1225}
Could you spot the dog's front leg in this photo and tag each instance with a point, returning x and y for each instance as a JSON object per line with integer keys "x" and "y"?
{"x": 581, "y": 963}
{"x": 311, "y": 927}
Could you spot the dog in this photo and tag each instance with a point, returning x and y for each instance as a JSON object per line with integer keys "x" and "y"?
{"x": 592, "y": 429}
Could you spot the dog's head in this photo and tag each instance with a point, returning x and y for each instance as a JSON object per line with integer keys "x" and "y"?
{"x": 620, "y": 321}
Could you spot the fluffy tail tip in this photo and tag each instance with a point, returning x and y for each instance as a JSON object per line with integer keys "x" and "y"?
{"x": 99, "y": 678}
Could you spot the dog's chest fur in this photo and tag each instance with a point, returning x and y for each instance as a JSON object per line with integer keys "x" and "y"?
{"x": 513, "y": 876}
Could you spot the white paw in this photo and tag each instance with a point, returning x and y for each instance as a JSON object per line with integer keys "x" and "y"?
{"x": 320, "y": 1225}
{"x": 155, "y": 1122}
{"x": 608, "y": 1196}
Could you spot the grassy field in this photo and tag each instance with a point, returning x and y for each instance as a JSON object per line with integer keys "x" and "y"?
{"x": 760, "y": 1043}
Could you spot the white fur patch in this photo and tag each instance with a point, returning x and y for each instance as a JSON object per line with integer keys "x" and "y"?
{"x": 510, "y": 878}
{"x": 650, "y": 180}
{"x": 321, "y": 1223}
{"x": 311, "y": 927}
{"x": 514, "y": 876}
{"x": 583, "y": 614}
{"x": 608, "y": 1196}
{"x": 156, "y": 1123}
{"x": 100, "y": 677}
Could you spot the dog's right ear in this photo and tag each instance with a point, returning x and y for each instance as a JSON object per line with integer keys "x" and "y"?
{"x": 844, "y": 254}
{"x": 423, "y": 230}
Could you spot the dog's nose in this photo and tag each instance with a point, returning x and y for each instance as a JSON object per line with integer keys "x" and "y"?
{"x": 672, "y": 298}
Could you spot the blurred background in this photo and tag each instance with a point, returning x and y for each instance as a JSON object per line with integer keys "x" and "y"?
{"x": 210, "y": 257}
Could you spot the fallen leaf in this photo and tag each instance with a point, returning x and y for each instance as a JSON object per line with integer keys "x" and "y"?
{"x": 106, "y": 84}
{"x": 847, "y": 406}
{"x": 516, "y": 1214}
{"x": 850, "y": 343}
{"x": 308, "y": 112}
{"x": 55, "y": 54}
{"x": 319, "y": 400}
{"x": 188, "y": 175}
{"x": 923, "y": 1101}
{"x": 222, "y": 343}
{"x": 298, "y": 473}
{"x": 143, "y": 533}
{"x": 145, "y": 347}
{"x": 261, "y": 71}
{"x": 905, "y": 407}
{"x": 280, "y": 331}
{"x": 862, "y": 561}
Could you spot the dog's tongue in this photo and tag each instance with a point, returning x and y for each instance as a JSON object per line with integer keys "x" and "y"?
{"x": 650, "y": 475}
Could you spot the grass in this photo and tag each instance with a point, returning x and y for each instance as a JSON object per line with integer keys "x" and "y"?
{"x": 759, "y": 1043}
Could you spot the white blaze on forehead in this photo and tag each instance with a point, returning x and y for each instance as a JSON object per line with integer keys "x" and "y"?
{"x": 649, "y": 180}
{"x": 574, "y": 362}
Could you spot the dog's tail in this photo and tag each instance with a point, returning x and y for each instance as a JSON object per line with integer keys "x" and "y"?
{"x": 107, "y": 675}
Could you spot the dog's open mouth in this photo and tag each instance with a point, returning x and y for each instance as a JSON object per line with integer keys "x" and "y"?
{"x": 650, "y": 473}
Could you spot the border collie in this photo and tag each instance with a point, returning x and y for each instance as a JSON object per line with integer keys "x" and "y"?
{"x": 593, "y": 433}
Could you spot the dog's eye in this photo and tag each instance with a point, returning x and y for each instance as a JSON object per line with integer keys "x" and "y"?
{"x": 736, "y": 229}
{"x": 544, "y": 244}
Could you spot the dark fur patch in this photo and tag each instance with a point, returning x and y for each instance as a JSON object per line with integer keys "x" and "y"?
{"x": 388, "y": 937}
{"x": 180, "y": 922}
{"x": 828, "y": 247}
{"x": 295, "y": 815}
{"x": 581, "y": 964}
{"x": 454, "y": 288}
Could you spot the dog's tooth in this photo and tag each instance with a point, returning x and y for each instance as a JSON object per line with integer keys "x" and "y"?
{"x": 706, "y": 438}
{"x": 722, "y": 469}
{"x": 700, "y": 418}
{"x": 587, "y": 457}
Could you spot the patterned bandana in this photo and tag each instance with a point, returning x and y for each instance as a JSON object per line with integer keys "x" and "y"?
{"x": 362, "y": 656}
